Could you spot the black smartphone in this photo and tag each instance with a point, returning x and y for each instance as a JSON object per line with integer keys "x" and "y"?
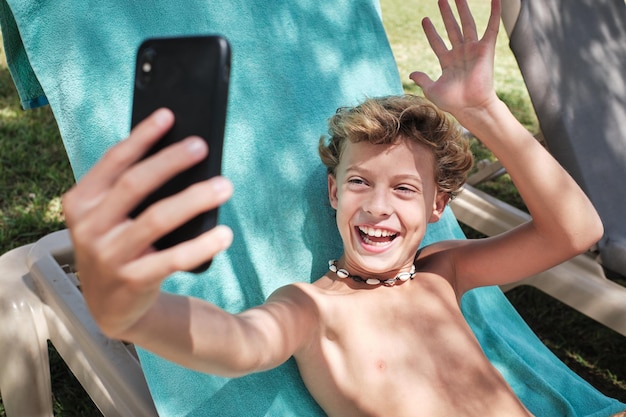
{"x": 190, "y": 76}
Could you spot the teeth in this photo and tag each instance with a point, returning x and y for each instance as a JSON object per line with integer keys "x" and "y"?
{"x": 370, "y": 231}
{"x": 372, "y": 243}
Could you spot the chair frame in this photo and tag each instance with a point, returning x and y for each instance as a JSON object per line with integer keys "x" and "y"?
{"x": 40, "y": 301}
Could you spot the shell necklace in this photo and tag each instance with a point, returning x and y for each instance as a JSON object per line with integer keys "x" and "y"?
{"x": 342, "y": 273}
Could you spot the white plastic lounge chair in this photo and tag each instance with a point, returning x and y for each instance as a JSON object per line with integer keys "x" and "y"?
{"x": 40, "y": 301}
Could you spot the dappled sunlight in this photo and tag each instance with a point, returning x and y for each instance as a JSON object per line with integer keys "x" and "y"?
{"x": 8, "y": 113}
{"x": 54, "y": 211}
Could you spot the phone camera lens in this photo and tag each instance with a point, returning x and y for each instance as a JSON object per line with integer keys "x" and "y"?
{"x": 145, "y": 67}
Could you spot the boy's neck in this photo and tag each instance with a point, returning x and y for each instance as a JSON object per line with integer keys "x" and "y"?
{"x": 339, "y": 269}
{"x": 342, "y": 273}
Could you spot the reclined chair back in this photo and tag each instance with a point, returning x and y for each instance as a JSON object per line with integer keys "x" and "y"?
{"x": 572, "y": 55}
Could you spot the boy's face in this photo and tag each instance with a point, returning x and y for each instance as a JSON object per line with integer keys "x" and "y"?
{"x": 385, "y": 195}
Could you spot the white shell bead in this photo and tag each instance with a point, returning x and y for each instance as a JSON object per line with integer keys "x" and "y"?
{"x": 404, "y": 276}
{"x": 342, "y": 273}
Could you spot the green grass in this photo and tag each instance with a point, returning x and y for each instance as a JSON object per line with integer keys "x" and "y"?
{"x": 34, "y": 172}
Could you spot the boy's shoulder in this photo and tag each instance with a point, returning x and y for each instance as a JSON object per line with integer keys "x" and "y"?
{"x": 441, "y": 258}
{"x": 438, "y": 252}
{"x": 293, "y": 292}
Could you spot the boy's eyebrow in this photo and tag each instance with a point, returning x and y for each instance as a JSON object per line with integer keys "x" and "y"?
{"x": 359, "y": 170}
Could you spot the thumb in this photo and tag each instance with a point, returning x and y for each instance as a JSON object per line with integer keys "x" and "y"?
{"x": 421, "y": 79}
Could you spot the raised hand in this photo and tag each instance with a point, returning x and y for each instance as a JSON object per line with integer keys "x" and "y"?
{"x": 120, "y": 272}
{"x": 467, "y": 67}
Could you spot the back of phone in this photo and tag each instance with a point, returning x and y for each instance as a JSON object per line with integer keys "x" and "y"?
{"x": 190, "y": 76}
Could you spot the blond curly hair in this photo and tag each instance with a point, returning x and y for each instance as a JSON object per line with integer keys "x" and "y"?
{"x": 388, "y": 120}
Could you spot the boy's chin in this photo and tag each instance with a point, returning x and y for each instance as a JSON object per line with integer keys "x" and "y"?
{"x": 374, "y": 265}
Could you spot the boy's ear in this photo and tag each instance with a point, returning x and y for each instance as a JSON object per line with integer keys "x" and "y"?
{"x": 332, "y": 191}
{"x": 441, "y": 201}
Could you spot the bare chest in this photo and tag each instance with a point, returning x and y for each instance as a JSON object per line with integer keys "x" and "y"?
{"x": 383, "y": 333}
{"x": 406, "y": 350}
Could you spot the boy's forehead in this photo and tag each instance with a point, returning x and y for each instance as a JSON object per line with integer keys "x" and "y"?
{"x": 361, "y": 150}
{"x": 405, "y": 152}
{"x": 356, "y": 148}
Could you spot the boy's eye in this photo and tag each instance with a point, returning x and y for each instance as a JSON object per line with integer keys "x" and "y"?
{"x": 406, "y": 189}
{"x": 356, "y": 181}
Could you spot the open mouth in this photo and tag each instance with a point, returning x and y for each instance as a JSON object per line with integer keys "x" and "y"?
{"x": 376, "y": 237}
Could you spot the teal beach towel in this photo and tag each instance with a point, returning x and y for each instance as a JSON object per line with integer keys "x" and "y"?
{"x": 294, "y": 63}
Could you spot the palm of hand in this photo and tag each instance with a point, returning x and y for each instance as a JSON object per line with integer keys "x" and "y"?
{"x": 466, "y": 80}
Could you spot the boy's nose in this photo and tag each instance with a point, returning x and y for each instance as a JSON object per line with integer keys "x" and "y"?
{"x": 378, "y": 204}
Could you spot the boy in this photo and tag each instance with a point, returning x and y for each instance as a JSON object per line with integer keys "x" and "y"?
{"x": 382, "y": 332}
